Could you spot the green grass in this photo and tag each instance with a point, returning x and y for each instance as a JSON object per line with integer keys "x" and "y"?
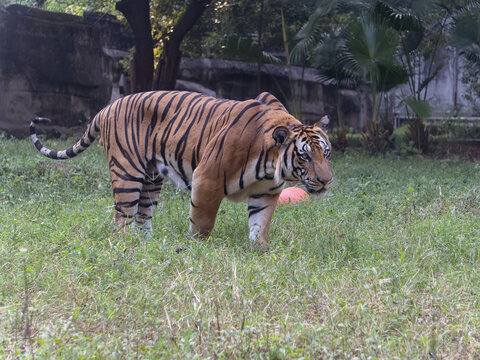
{"x": 387, "y": 266}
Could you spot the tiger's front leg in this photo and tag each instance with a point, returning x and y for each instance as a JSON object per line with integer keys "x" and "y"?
{"x": 260, "y": 212}
{"x": 204, "y": 203}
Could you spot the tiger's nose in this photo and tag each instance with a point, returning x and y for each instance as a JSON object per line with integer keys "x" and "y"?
{"x": 326, "y": 182}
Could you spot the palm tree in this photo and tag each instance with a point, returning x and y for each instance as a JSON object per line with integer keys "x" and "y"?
{"x": 359, "y": 53}
{"x": 466, "y": 32}
{"x": 465, "y": 38}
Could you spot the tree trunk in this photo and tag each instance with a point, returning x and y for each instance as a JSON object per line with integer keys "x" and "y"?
{"x": 169, "y": 62}
{"x": 259, "y": 31}
{"x": 137, "y": 13}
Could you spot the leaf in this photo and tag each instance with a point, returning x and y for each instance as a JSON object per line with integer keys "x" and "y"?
{"x": 466, "y": 32}
{"x": 390, "y": 75}
{"x": 413, "y": 40}
{"x": 398, "y": 19}
{"x": 421, "y": 108}
{"x": 371, "y": 42}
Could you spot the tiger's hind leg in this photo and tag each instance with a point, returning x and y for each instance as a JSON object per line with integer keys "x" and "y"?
{"x": 148, "y": 201}
{"x": 127, "y": 195}
{"x": 127, "y": 185}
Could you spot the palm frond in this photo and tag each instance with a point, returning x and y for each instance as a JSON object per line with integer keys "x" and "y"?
{"x": 412, "y": 40}
{"x": 472, "y": 54}
{"x": 466, "y": 32}
{"x": 420, "y": 108}
{"x": 398, "y": 19}
{"x": 390, "y": 75}
{"x": 371, "y": 42}
{"x": 310, "y": 33}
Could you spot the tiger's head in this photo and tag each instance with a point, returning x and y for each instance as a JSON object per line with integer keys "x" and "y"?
{"x": 305, "y": 153}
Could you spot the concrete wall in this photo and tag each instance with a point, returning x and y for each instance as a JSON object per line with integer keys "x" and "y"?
{"x": 446, "y": 93}
{"x": 56, "y": 65}
{"x": 238, "y": 80}
{"x": 66, "y": 68}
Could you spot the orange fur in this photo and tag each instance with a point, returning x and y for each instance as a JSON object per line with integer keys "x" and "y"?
{"x": 214, "y": 147}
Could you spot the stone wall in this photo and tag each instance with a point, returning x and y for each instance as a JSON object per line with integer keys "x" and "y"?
{"x": 238, "y": 80}
{"x": 66, "y": 68}
{"x": 56, "y": 65}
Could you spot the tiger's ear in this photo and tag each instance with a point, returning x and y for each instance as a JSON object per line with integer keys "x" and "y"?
{"x": 280, "y": 134}
{"x": 323, "y": 123}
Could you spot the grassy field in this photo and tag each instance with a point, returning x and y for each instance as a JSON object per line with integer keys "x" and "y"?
{"x": 386, "y": 266}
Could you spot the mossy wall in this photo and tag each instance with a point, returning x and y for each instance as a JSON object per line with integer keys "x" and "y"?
{"x": 56, "y": 65}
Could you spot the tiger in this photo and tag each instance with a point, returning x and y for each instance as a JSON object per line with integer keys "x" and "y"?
{"x": 215, "y": 148}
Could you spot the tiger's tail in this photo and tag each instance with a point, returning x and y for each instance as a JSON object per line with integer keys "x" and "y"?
{"x": 85, "y": 141}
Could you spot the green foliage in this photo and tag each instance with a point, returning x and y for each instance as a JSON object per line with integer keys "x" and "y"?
{"x": 358, "y": 51}
{"x": 164, "y": 15}
{"x": 386, "y": 266}
{"x": 420, "y": 108}
{"x": 77, "y": 7}
{"x": 242, "y": 18}
{"x": 74, "y": 7}
{"x": 372, "y": 45}
{"x": 236, "y": 47}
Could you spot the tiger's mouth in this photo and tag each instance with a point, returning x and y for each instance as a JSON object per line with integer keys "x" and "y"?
{"x": 317, "y": 191}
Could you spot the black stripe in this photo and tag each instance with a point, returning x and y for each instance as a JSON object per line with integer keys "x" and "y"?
{"x": 182, "y": 143}
{"x": 257, "y": 116}
{"x": 245, "y": 166}
{"x": 125, "y": 190}
{"x": 257, "y": 166}
{"x": 277, "y": 187}
{"x": 193, "y": 162}
{"x": 190, "y": 108}
{"x": 127, "y": 203}
{"x": 233, "y": 123}
{"x": 117, "y": 139}
{"x": 157, "y": 189}
{"x": 149, "y": 198}
{"x": 225, "y": 183}
{"x": 285, "y": 155}
{"x": 253, "y": 210}
{"x": 91, "y": 138}
{"x": 265, "y": 97}
{"x": 206, "y": 121}
{"x": 258, "y": 196}
{"x": 168, "y": 128}
{"x": 38, "y": 145}
{"x": 153, "y": 203}
{"x": 127, "y": 176}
